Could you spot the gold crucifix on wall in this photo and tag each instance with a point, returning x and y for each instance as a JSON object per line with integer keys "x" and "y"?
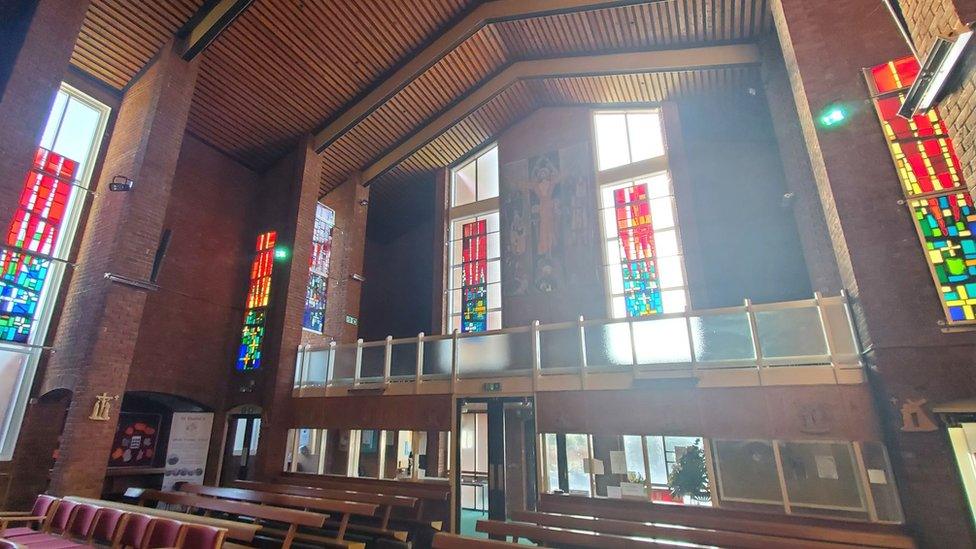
{"x": 103, "y": 404}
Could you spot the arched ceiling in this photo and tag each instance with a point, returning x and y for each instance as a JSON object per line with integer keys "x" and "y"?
{"x": 287, "y": 68}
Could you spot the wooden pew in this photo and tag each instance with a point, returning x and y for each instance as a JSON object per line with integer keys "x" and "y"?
{"x": 386, "y": 502}
{"x": 292, "y": 517}
{"x": 551, "y": 536}
{"x": 238, "y": 531}
{"x": 444, "y": 540}
{"x": 345, "y": 508}
{"x": 801, "y": 528}
{"x": 704, "y": 536}
{"x": 433, "y": 495}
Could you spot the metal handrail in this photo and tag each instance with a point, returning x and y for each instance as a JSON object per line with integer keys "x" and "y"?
{"x": 832, "y": 338}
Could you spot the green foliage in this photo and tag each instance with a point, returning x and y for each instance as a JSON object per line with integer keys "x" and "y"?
{"x": 689, "y": 476}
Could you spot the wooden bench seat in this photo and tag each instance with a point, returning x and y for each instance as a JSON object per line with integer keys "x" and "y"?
{"x": 551, "y": 536}
{"x": 292, "y": 517}
{"x": 801, "y": 528}
{"x": 444, "y": 540}
{"x": 722, "y": 538}
{"x": 386, "y": 502}
{"x": 344, "y": 508}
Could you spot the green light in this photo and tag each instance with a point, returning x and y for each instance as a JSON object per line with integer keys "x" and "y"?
{"x": 833, "y": 116}
{"x": 281, "y": 253}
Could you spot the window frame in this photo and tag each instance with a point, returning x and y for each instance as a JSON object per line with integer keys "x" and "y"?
{"x": 477, "y": 209}
{"x": 630, "y": 174}
{"x": 47, "y": 301}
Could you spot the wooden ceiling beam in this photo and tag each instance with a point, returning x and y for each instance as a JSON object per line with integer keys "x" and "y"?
{"x": 485, "y": 14}
{"x": 591, "y": 65}
{"x": 207, "y": 24}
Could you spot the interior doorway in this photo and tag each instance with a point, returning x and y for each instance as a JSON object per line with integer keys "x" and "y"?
{"x": 963, "y": 438}
{"x": 496, "y": 457}
{"x": 240, "y": 446}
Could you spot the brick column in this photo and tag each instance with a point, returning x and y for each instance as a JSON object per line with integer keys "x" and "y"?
{"x": 97, "y": 334}
{"x": 825, "y": 45}
{"x": 351, "y": 204}
{"x": 286, "y": 204}
{"x": 36, "y": 40}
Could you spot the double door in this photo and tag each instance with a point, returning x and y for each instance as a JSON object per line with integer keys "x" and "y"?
{"x": 496, "y": 453}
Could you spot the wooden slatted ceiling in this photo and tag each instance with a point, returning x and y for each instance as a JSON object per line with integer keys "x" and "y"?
{"x": 118, "y": 37}
{"x": 285, "y": 66}
{"x": 521, "y": 99}
{"x": 669, "y": 24}
{"x": 663, "y": 24}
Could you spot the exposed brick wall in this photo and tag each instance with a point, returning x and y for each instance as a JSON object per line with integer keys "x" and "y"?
{"x": 100, "y": 322}
{"x": 199, "y": 304}
{"x": 289, "y": 192}
{"x": 32, "y": 83}
{"x": 927, "y": 20}
{"x": 348, "y": 257}
{"x": 825, "y": 45}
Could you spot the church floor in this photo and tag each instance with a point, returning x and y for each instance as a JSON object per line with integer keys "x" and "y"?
{"x": 470, "y": 518}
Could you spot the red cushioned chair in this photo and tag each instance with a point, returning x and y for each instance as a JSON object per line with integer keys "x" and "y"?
{"x": 134, "y": 534}
{"x": 63, "y": 513}
{"x": 201, "y": 536}
{"x": 164, "y": 533}
{"x": 108, "y": 526}
{"x": 83, "y": 522}
{"x": 39, "y": 514}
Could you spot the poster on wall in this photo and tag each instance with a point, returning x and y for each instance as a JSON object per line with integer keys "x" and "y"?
{"x": 189, "y": 443}
{"x": 135, "y": 440}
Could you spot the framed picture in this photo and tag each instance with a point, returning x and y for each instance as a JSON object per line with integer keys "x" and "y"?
{"x": 135, "y": 440}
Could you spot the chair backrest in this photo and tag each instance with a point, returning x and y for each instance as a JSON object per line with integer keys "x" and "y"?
{"x": 108, "y": 526}
{"x": 42, "y": 505}
{"x": 135, "y": 529}
{"x": 201, "y": 536}
{"x": 83, "y": 521}
{"x": 62, "y": 516}
{"x": 163, "y": 533}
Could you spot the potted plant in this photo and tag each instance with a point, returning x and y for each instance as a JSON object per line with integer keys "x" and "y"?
{"x": 689, "y": 476}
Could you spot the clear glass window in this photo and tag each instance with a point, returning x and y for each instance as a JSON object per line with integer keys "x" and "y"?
{"x": 476, "y": 180}
{"x": 627, "y": 137}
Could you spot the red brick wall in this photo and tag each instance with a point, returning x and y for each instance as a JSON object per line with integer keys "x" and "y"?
{"x": 100, "y": 321}
{"x": 928, "y": 19}
{"x": 187, "y": 340}
{"x": 825, "y": 46}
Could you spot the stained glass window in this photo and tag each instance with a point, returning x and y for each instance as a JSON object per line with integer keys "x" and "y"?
{"x": 473, "y": 292}
{"x": 931, "y": 178}
{"x": 635, "y": 233}
{"x": 258, "y": 296}
{"x": 316, "y": 291}
{"x": 35, "y": 228}
{"x": 36, "y": 242}
{"x": 948, "y": 225}
{"x": 474, "y": 272}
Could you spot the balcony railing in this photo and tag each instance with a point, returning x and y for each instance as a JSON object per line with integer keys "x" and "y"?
{"x": 756, "y": 338}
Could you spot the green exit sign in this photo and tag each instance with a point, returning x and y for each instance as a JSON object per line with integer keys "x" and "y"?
{"x": 352, "y": 320}
{"x": 492, "y": 387}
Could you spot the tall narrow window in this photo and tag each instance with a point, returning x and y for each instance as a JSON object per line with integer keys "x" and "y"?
{"x": 642, "y": 251}
{"x": 473, "y": 291}
{"x": 931, "y": 180}
{"x": 36, "y": 245}
{"x": 317, "y": 290}
{"x": 258, "y": 297}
